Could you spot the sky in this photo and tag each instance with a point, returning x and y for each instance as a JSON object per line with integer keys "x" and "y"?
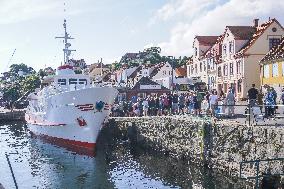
{"x": 110, "y": 28}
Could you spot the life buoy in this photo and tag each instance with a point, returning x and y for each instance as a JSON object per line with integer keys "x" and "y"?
{"x": 81, "y": 122}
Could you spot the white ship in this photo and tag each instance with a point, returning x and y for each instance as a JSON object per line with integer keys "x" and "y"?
{"x": 69, "y": 111}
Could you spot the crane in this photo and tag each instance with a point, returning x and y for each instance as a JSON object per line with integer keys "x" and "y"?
{"x": 9, "y": 62}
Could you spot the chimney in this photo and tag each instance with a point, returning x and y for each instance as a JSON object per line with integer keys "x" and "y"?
{"x": 255, "y": 21}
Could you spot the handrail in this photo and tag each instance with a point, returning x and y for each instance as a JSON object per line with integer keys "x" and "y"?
{"x": 257, "y": 169}
{"x": 11, "y": 169}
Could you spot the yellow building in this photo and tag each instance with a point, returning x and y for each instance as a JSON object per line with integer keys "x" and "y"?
{"x": 272, "y": 68}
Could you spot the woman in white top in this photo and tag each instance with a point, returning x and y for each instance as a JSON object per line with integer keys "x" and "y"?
{"x": 213, "y": 102}
{"x": 145, "y": 107}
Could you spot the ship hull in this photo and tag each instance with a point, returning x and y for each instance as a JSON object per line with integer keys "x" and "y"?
{"x": 72, "y": 119}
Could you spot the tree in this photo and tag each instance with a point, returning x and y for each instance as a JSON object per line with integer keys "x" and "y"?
{"x": 78, "y": 71}
{"x": 30, "y": 83}
{"x": 11, "y": 92}
{"x": 15, "y": 68}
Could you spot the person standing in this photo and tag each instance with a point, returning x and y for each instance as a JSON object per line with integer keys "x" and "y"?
{"x": 275, "y": 98}
{"x": 199, "y": 99}
{"x": 269, "y": 103}
{"x": 213, "y": 102}
{"x": 145, "y": 106}
{"x": 252, "y": 95}
{"x": 195, "y": 103}
{"x": 175, "y": 103}
{"x": 260, "y": 99}
{"x": 170, "y": 100}
{"x": 151, "y": 106}
{"x": 230, "y": 101}
{"x": 181, "y": 102}
{"x": 282, "y": 96}
{"x": 222, "y": 94}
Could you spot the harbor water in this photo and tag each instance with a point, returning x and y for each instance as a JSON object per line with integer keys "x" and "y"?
{"x": 37, "y": 164}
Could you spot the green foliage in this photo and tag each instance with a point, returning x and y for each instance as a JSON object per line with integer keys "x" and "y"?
{"x": 15, "y": 68}
{"x": 11, "y": 92}
{"x": 16, "y": 86}
{"x": 78, "y": 71}
{"x": 29, "y": 83}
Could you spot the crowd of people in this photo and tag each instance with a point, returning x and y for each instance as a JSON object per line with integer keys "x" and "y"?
{"x": 198, "y": 103}
{"x": 265, "y": 100}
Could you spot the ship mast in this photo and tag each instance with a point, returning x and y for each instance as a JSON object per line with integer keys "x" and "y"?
{"x": 66, "y": 50}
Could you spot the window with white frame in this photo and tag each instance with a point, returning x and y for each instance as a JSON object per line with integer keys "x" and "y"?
{"x": 231, "y": 47}
{"x": 266, "y": 71}
{"x": 275, "y": 69}
{"x": 238, "y": 67}
{"x": 219, "y": 71}
{"x": 225, "y": 70}
{"x": 231, "y": 68}
{"x": 224, "y": 49}
{"x": 200, "y": 68}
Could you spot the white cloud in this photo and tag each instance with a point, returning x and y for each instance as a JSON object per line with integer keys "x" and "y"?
{"x": 212, "y": 19}
{"x": 12, "y": 11}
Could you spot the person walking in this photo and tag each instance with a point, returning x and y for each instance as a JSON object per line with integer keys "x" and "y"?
{"x": 252, "y": 95}
{"x": 230, "y": 101}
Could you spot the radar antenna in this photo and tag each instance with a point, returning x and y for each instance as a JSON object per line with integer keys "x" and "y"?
{"x": 66, "y": 50}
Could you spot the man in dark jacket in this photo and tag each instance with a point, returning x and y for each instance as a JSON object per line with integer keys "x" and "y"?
{"x": 252, "y": 95}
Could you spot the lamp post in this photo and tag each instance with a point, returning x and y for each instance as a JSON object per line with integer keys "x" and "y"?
{"x": 172, "y": 83}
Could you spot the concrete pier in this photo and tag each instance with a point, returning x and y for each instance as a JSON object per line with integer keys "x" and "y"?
{"x": 15, "y": 115}
{"x": 220, "y": 145}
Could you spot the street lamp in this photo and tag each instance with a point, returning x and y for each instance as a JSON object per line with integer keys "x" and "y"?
{"x": 171, "y": 60}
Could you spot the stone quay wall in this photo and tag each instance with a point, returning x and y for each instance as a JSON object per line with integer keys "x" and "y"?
{"x": 220, "y": 145}
{"x": 15, "y": 115}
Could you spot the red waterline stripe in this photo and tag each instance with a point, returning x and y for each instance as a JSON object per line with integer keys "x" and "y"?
{"x": 83, "y": 148}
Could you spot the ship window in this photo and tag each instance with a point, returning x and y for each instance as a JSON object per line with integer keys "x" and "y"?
{"x": 72, "y": 81}
{"x": 83, "y": 81}
{"x": 61, "y": 81}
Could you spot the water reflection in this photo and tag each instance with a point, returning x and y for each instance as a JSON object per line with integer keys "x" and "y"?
{"x": 38, "y": 164}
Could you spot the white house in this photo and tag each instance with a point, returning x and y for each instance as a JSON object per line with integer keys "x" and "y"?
{"x": 164, "y": 75}
{"x": 197, "y": 69}
{"x": 242, "y": 49}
